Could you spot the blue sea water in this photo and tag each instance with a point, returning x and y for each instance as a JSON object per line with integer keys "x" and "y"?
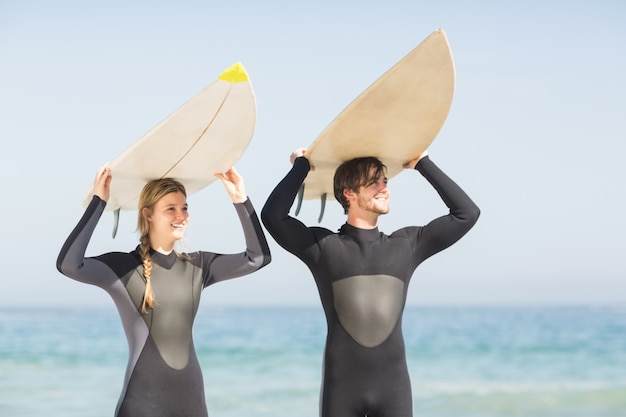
{"x": 464, "y": 362}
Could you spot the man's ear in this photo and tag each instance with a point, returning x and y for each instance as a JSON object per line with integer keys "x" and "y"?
{"x": 349, "y": 194}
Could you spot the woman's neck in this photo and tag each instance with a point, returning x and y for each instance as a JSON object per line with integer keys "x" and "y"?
{"x": 162, "y": 247}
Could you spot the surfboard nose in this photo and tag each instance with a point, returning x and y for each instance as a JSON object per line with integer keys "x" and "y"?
{"x": 236, "y": 73}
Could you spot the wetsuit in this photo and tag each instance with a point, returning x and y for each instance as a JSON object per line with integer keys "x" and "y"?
{"x": 163, "y": 376}
{"x": 362, "y": 277}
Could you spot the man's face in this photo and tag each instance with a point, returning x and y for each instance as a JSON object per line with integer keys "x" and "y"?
{"x": 373, "y": 197}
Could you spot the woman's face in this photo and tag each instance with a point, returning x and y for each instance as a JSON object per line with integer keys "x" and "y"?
{"x": 169, "y": 218}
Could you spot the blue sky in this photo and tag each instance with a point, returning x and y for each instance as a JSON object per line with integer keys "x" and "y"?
{"x": 535, "y": 135}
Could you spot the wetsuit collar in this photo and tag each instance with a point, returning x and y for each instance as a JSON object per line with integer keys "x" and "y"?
{"x": 165, "y": 261}
{"x": 360, "y": 234}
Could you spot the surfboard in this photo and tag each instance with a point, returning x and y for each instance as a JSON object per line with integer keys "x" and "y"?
{"x": 395, "y": 119}
{"x": 205, "y": 135}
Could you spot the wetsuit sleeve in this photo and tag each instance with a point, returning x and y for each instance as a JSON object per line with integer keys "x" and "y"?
{"x": 290, "y": 233}
{"x": 446, "y": 230}
{"x": 71, "y": 261}
{"x": 220, "y": 267}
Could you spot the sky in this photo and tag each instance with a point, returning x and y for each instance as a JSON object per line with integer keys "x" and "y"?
{"x": 536, "y": 134}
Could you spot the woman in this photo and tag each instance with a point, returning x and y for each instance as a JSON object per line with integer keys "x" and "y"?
{"x": 157, "y": 290}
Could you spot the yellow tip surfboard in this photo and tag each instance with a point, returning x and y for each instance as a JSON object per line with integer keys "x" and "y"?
{"x": 207, "y": 134}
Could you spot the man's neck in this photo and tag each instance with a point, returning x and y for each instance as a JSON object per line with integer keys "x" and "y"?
{"x": 362, "y": 222}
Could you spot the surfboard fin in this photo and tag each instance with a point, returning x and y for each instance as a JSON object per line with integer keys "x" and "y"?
{"x": 300, "y": 197}
{"x": 319, "y": 220}
{"x": 116, "y": 221}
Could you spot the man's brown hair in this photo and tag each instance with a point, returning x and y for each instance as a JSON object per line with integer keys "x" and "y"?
{"x": 354, "y": 173}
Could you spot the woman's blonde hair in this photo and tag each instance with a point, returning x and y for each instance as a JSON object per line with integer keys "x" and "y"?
{"x": 151, "y": 193}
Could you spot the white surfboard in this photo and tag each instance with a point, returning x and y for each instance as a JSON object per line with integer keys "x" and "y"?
{"x": 208, "y": 134}
{"x": 395, "y": 119}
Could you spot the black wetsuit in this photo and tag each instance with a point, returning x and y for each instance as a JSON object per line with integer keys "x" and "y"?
{"x": 362, "y": 277}
{"x": 163, "y": 376}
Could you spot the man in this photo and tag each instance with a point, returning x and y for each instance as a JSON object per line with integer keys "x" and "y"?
{"x": 362, "y": 276}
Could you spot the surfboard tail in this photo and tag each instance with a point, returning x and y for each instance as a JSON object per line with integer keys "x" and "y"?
{"x": 116, "y": 222}
{"x": 300, "y": 197}
{"x": 323, "y": 208}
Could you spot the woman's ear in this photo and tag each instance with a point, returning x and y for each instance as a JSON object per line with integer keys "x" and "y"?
{"x": 145, "y": 212}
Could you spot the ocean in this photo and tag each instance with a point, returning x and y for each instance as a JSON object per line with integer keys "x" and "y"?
{"x": 266, "y": 361}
